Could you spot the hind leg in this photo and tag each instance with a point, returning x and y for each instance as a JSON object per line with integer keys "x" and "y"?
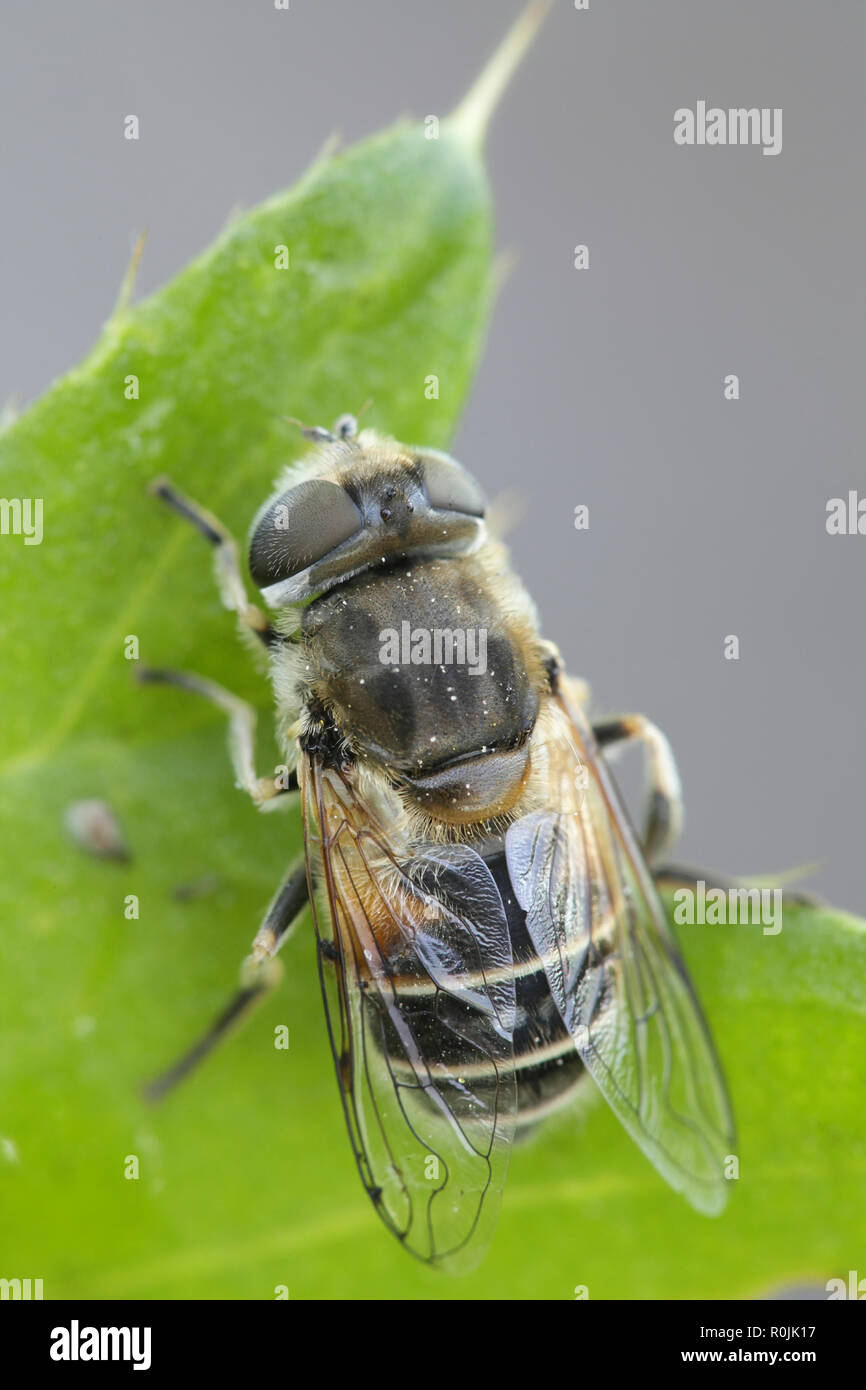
{"x": 259, "y": 974}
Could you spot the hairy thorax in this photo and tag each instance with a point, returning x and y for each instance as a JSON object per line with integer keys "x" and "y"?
{"x": 430, "y": 674}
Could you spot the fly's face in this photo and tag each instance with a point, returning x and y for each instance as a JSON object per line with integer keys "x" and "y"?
{"x": 357, "y": 503}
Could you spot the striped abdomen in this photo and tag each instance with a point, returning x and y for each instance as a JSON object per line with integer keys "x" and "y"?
{"x": 547, "y": 1066}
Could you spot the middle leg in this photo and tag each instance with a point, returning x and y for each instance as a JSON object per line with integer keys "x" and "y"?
{"x": 242, "y": 727}
{"x": 664, "y": 818}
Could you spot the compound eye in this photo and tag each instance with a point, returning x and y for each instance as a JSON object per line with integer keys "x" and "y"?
{"x": 450, "y": 489}
{"x": 299, "y": 528}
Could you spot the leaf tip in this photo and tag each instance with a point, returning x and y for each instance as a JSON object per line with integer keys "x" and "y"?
{"x": 472, "y": 116}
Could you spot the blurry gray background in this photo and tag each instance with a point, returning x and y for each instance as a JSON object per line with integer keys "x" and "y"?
{"x": 601, "y": 387}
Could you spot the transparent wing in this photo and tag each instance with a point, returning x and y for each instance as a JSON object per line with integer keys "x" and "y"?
{"x": 417, "y": 978}
{"x": 614, "y": 970}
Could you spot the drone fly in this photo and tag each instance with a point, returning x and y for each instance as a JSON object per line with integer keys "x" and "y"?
{"x": 489, "y": 930}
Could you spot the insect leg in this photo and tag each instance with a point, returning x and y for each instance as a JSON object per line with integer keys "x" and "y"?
{"x": 259, "y": 974}
{"x": 242, "y": 726}
{"x": 672, "y": 876}
{"x": 665, "y": 810}
{"x": 228, "y": 572}
{"x": 677, "y": 876}
{"x": 283, "y": 913}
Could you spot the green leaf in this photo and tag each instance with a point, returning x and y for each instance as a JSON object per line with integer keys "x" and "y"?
{"x": 246, "y": 1178}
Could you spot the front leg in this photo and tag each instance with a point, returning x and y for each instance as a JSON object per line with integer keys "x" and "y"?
{"x": 228, "y": 572}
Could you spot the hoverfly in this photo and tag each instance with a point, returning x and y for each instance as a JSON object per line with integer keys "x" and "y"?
{"x": 489, "y": 931}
